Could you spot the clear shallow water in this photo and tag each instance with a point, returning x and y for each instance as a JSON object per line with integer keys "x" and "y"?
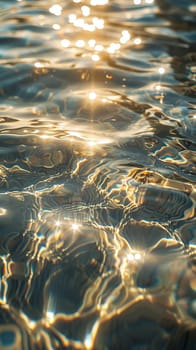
{"x": 97, "y": 175}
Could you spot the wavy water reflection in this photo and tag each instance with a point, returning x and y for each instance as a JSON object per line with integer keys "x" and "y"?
{"x": 97, "y": 175}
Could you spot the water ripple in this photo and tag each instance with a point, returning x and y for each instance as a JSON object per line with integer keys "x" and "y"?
{"x": 97, "y": 175}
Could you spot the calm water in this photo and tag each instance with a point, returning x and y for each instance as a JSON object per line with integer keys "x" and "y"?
{"x": 97, "y": 175}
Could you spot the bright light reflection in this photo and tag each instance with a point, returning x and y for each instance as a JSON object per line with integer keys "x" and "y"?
{"x": 55, "y": 10}
{"x": 99, "y": 48}
{"x": 58, "y": 223}
{"x": 113, "y": 47}
{"x": 85, "y": 10}
{"x": 123, "y": 40}
{"x": 80, "y": 43}
{"x": 74, "y": 133}
{"x": 91, "y": 143}
{"x": 79, "y": 22}
{"x": 56, "y": 26}
{"x": 98, "y": 2}
{"x": 161, "y": 70}
{"x": 65, "y": 43}
{"x": 45, "y": 137}
{"x": 50, "y": 316}
{"x": 38, "y": 64}
{"x": 158, "y": 87}
{"x": 75, "y": 227}
{"x": 92, "y": 95}
{"x": 89, "y": 27}
{"x": 72, "y": 18}
{"x": 98, "y": 22}
{"x": 126, "y": 34}
{"x": 137, "y": 2}
{"x": 132, "y": 257}
{"x": 2, "y": 211}
{"x": 91, "y": 43}
{"x": 149, "y": 1}
{"x": 137, "y": 41}
{"x": 88, "y": 341}
{"x": 95, "y": 57}
{"x": 138, "y": 256}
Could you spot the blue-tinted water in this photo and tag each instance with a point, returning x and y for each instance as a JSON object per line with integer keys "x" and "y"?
{"x": 97, "y": 175}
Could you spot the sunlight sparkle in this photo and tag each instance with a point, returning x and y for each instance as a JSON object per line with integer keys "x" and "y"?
{"x": 91, "y": 43}
{"x": 80, "y": 43}
{"x": 161, "y": 70}
{"x": 55, "y": 10}
{"x": 65, "y": 43}
{"x": 2, "y": 211}
{"x": 56, "y": 26}
{"x": 98, "y": 2}
{"x": 75, "y": 226}
{"x": 92, "y": 95}
{"x": 85, "y": 10}
{"x": 137, "y": 41}
{"x": 95, "y": 57}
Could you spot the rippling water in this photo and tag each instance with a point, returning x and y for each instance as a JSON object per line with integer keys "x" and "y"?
{"x": 97, "y": 175}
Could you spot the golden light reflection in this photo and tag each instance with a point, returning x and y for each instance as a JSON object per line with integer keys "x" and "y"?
{"x": 58, "y": 223}
{"x": 89, "y": 27}
{"x": 85, "y": 10}
{"x": 137, "y": 2}
{"x": 75, "y": 133}
{"x": 75, "y": 227}
{"x": 50, "y": 316}
{"x": 3, "y": 211}
{"x": 99, "y": 2}
{"x": 129, "y": 262}
{"x": 92, "y": 95}
{"x": 56, "y": 9}
{"x": 87, "y": 22}
{"x": 99, "y": 48}
{"x": 125, "y": 37}
{"x": 80, "y": 43}
{"x": 88, "y": 342}
{"x": 113, "y": 47}
{"x": 95, "y": 57}
{"x": 65, "y": 43}
{"x": 72, "y": 17}
{"x": 80, "y": 22}
{"x": 98, "y": 23}
{"x": 137, "y": 41}
{"x": 38, "y": 65}
{"x": 158, "y": 87}
{"x": 91, "y": 143}
{"x": 44, "y": 137}
{"x": 91, "y": 43}
{"x": 132, "y": 257}
{"x": 56, "y": 26}
{"x": 160, "y": 96}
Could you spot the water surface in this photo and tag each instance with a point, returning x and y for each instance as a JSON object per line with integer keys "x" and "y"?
{"x": 97, "y": 175}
